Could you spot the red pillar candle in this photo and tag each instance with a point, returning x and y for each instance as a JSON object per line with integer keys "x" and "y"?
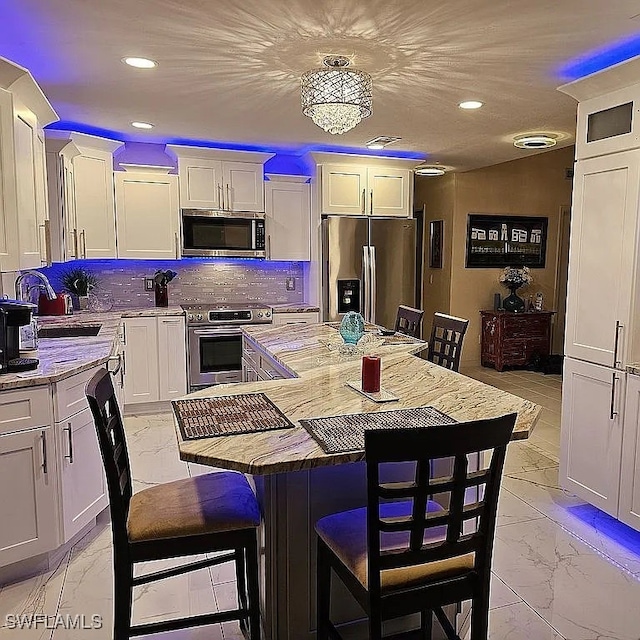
{"x": 371, "y": 374}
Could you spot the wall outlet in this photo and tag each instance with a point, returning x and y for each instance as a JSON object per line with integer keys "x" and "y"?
{"x": 290, "y": 284}
{"x": 148, "y": 284}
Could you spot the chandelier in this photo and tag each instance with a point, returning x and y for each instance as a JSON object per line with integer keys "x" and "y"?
{"x": 334, "y": 97}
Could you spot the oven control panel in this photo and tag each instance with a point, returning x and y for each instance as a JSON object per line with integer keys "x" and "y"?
{"x": 219, "y": 315}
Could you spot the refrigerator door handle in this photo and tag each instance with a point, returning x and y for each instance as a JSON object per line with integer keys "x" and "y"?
{"x": 372, "y": 280}
{"x": 366, "y": 286}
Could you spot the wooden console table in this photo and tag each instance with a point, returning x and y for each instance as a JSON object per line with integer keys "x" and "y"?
{"x": 514, "y": 338}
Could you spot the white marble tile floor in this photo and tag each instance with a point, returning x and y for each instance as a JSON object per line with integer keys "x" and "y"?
{"x": 562, "y": 569}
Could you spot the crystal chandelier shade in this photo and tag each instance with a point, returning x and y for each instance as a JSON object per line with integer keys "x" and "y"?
{"x": 336, "y": 98}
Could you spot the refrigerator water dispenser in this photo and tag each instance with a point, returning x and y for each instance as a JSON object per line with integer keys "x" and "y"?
{"x": 348, "y": 296}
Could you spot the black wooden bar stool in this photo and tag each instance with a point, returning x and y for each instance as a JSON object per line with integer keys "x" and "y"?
{"x": 404, "y": 553}
{"x": 445, "y": 342}
{"x": 209, "y": 513}
{"x": 408, "y": 321}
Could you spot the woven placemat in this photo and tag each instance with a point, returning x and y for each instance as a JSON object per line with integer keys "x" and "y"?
{"x": 339, "y": 434}
{"x": 228, "y": 415}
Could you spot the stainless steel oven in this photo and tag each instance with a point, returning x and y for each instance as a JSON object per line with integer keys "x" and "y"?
{"x": 214, "y": 339}
{"x": 223, "y": 234}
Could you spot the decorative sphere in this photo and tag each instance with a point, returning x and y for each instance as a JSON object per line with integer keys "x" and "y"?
{"x": 352, "y": 327}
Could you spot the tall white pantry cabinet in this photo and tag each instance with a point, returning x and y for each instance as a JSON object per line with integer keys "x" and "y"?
{"x": 600, "y": 435}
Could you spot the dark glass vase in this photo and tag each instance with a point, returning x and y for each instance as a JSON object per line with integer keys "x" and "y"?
{"x": 162, "y": 295}
{"x": 512, "y": 302}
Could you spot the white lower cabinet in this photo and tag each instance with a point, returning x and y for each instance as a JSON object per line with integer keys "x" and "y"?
{"x": 155, "y": 359}
{"x": 591, "y": 433}
{"x": 629, "y": 510}
{"x": 28, "y": 494}
{"x": 82, "y": 479}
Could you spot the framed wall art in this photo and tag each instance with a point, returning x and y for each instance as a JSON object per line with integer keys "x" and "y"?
{"x": 504, "y": 241}
{"x": 436, "y": 230}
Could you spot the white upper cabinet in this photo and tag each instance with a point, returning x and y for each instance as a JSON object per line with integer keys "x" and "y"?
{"x": 93, "y": 195}
{"x": 24, "y": 111}
{"x": 147, "y": 215}
{"x": 220, "y": 179}
{"x": 81, "y": 198}
{"x": 288, "y": 221}
{"x": 344, "y": 189}
{"x": 375, "y": 190}
{"x": 603, "y": 257}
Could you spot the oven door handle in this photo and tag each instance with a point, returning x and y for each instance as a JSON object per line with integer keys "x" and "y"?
{"x": 232, "y": 331}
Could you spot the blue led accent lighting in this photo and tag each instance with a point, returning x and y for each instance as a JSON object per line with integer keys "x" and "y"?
{"x": 123, "y": 263}
{"x": 601, "y": 58}
{"x": 608, "y": 526}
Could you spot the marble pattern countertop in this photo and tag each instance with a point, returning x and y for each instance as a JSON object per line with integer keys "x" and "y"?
{"x": 320, "y": 390}
{"x": 294, "y": 308}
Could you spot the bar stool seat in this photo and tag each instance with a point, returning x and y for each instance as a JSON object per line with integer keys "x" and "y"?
{"x": 194, "y": 506}
{"x": 345, "y": 534}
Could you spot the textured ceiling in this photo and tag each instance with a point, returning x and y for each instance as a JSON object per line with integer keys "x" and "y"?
{"x": 229, "y": 69}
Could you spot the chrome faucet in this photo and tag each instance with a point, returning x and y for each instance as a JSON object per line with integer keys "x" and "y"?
{"x": 43, "y": 284}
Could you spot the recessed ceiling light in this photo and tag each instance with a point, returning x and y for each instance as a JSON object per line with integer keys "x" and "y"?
{"x": 429, "y": 170}
{"x": 535, "y": 141}
{"x": 471, "y": 104}
{"x": 140, "y": 63}
{"x": 380, "y": 142}
{"x": 142, "y": 125}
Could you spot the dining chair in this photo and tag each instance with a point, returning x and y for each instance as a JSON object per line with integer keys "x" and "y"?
{"x": 405, "y": 553}
{"x": 408, "y": 321}
{"x": 216, "y": 512}
{"x": 445, "y": 342}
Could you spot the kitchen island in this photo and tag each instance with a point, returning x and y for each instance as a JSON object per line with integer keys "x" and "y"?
{"x": 297, "y": 483}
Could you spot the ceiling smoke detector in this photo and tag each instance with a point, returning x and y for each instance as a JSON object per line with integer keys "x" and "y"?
{"x": 535, "y": 141}
{"x": 429, "y": 170}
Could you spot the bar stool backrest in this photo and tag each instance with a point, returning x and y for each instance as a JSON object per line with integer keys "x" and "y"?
{"x": 445, "y": 342}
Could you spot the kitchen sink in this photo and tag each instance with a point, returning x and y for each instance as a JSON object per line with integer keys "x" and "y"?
{"x": 69, "y": 332}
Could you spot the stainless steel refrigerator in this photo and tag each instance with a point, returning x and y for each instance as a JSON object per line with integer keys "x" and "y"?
{"x": 371, "y": 265}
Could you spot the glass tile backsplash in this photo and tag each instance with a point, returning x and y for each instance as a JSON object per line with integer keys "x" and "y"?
{"x": 207, "y": 281}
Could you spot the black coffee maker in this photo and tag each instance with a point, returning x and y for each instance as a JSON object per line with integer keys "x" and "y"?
{"x": 13, "y": 315}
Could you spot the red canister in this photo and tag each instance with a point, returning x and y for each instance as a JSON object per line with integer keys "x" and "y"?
{"x": 371, "y": 374}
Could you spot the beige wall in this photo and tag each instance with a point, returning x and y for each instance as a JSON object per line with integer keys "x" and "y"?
{"x": 532, "y": 186}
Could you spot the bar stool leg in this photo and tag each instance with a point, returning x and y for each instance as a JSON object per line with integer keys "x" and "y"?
{"x": 426, "y": 624}
{"x": 122, "y": 595}
{"x": 241, "y": 582}
{"x": 253, "y": 588}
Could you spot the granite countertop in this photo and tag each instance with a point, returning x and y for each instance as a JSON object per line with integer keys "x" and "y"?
{"x": 294, "y": 308}
{"x": 64, "y": 357}
{"x": 320, "y": 390}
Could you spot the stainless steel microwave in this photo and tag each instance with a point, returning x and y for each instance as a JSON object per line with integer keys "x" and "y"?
{"x": 222, "y": 234}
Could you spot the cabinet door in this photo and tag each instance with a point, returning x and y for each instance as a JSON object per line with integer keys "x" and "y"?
{"x": 9, "y": 259}
{"x": 602, "y": 258}
{"x": 25, "y": 159}
{"x": 71, "y": 237}
{"x": 344, "y": 189}
{"x": 42, "y": 201}
{"x": 591, "y": 433}
{"x": 172, "y": 357}
{"x": 82, "y": 480}
{"x": 249, "y": 374}
{"x": 389, "y": 192}
{"x": 288, "y": 207}
{"x": 147, "y": 216}
{"x": 243, "y": 186}
{"x": 27, "y": 495}
{"x": 629, "y": 511}
{"x": 141, "y": 360}
{"x": 95, "y": 213}
{"x": 200, "y": 183}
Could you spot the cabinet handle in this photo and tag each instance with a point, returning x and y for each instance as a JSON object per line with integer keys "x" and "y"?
{"x": 228, "y": 198}
{"x": 269, "y": 247}
{"x": 616, "y": 344}
{"x": 118, "y": 359}
{"x": 364, "y": 197}
{"x": 371, "y": 202}
{"x": 70, "y": 440}
{"x": 43, "y": 438}
{"x": 123, "y": 365}
{"x": 177, "y": 243}
{"x": 75, "y": 244}
{"x": 220, "y": 197}
{"x": 612, "y": 413}
{"x": 83, "y": 243}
